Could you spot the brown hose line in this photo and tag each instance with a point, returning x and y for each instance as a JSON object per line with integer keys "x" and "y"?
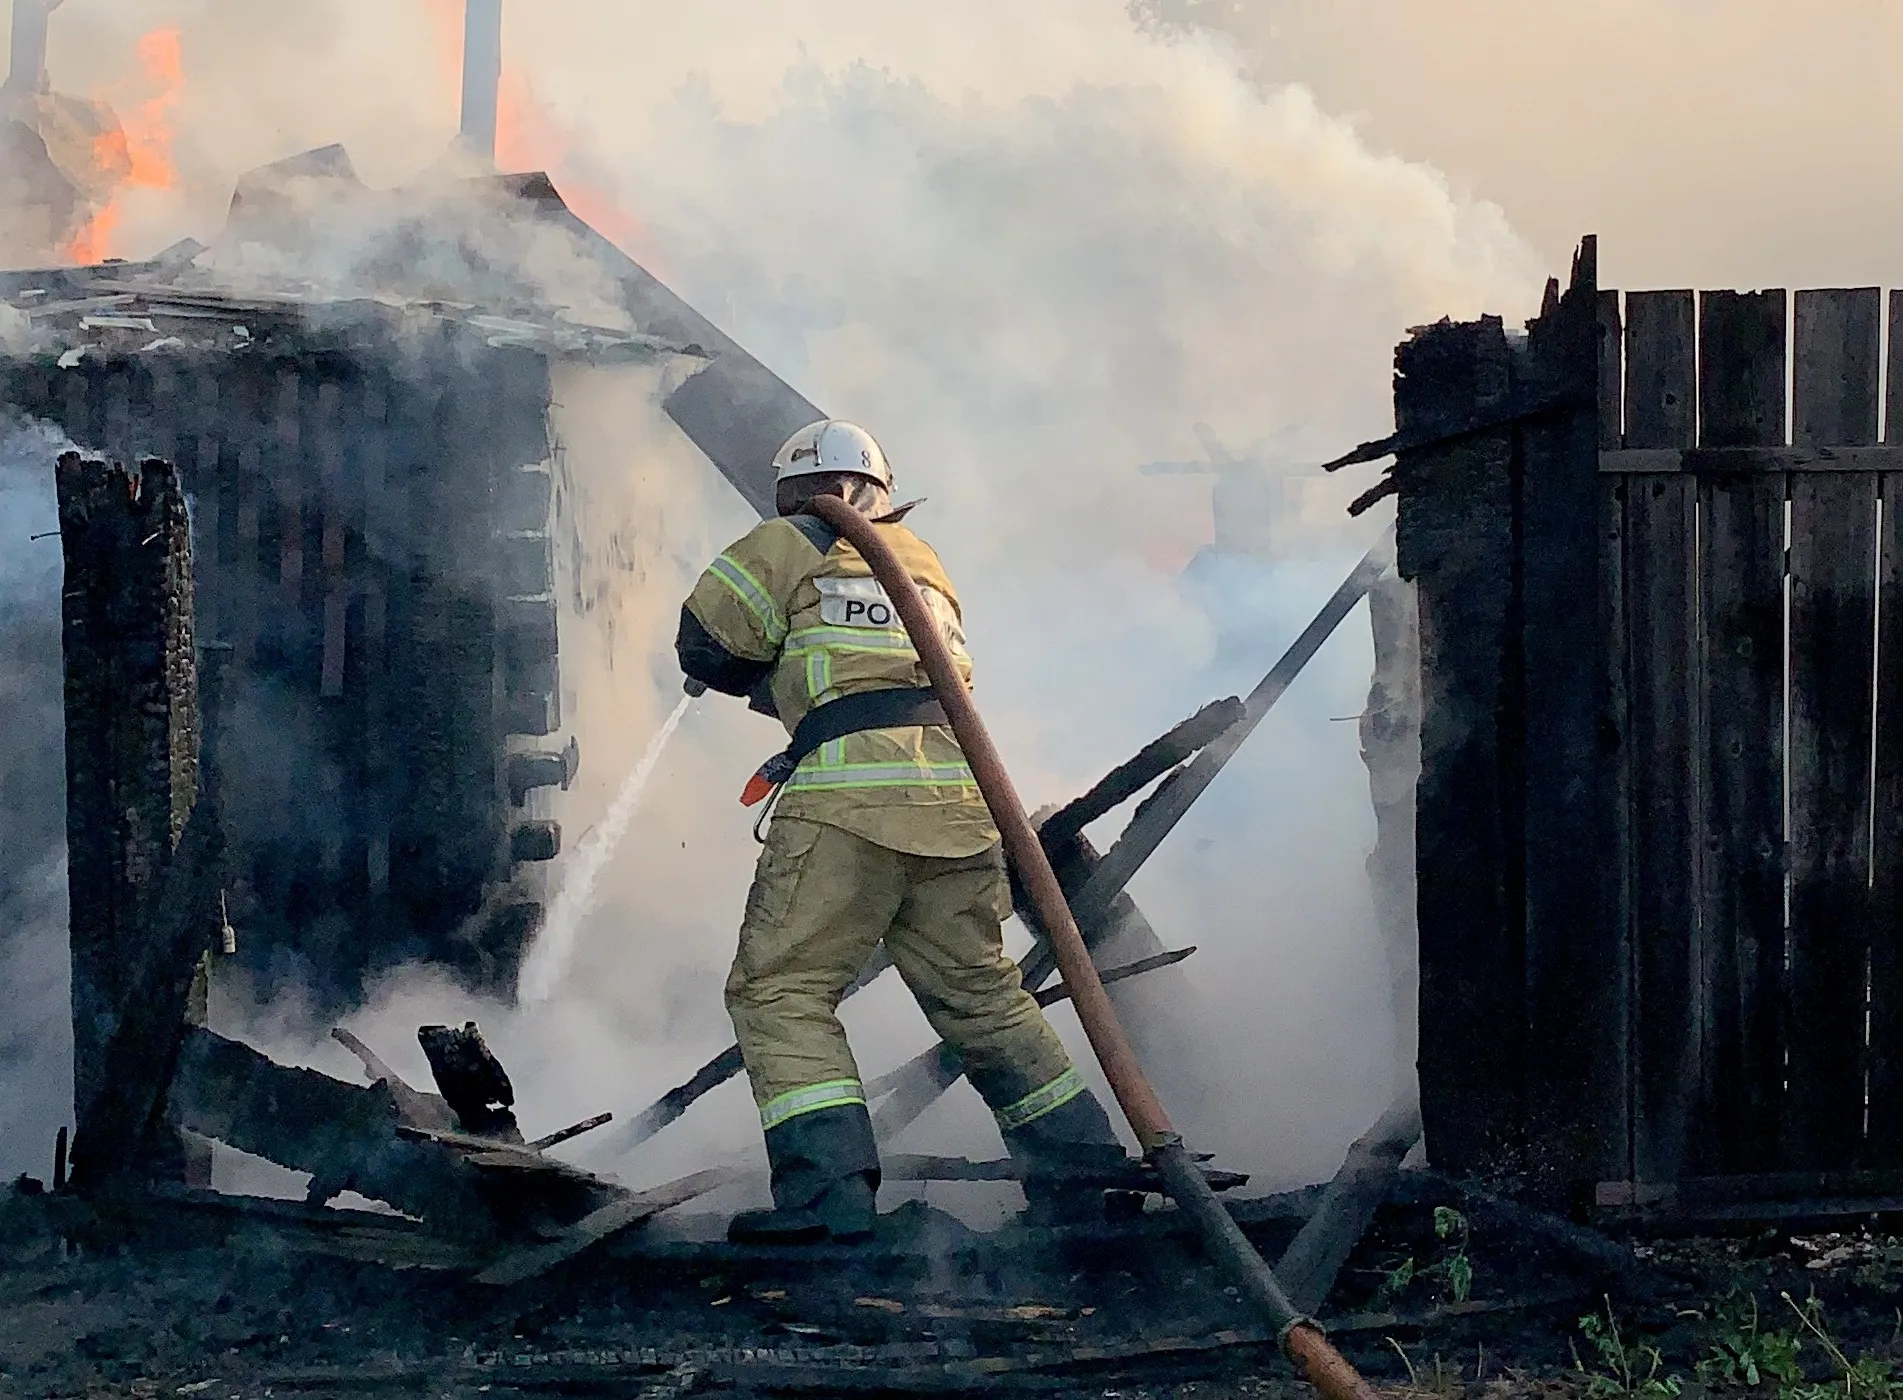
{"x": 1314, "y": 1358}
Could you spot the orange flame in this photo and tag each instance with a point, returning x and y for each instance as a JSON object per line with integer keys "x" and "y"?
{"x": 141, "y": 146}
{"x": 531, "y": 137}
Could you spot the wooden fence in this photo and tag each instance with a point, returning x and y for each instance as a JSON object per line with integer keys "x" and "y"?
{"x": 1661, "y": 811}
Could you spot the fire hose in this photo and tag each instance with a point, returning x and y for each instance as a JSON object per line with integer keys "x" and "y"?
{"x": 1301, "y": 1338}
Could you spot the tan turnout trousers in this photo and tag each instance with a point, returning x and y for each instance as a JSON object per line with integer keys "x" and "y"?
{"x": 821, "y": 901}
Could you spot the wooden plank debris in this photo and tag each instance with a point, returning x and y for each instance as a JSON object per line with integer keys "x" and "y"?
{"x": 344, "y": 1135}
{"x": 1151, "y": 762}
{"x": 418, "y": 1110}
{"x": 1315, "y": 1258}
{"x": 521, "y": 1265}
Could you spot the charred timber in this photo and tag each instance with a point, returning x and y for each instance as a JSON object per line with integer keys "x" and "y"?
{"x": 471, "y": 1080}
{"x": 344, "y": 1135}
{"x": 143, "y": 851}
{"x": 1319, "y": 1251}
{"x": 1128, "y": 779}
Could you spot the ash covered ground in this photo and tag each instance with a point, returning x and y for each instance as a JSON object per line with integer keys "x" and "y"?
{"x": 160, "y": 1302}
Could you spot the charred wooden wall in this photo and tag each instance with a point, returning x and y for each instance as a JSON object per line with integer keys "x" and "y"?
{"x": 371, "y": 526}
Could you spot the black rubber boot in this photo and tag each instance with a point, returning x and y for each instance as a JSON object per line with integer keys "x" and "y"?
{"x": 1058, "y": 1155}
{"x": 825, "y": 1181}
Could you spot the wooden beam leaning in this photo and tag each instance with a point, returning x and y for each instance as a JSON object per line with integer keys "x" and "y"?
{"x": 1833, "y": 616}
{"x": 1660, "y": 590}
{"x": 1313, "y": 1261}
{"x": 1146, "y": 832}
{"x": 1128, "y": 779}
{"x": 1884, "y": 1143}
{"x": 518, "y": 1266}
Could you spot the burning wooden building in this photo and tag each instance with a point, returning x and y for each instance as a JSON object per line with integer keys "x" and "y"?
{"x": 355, "y": 387}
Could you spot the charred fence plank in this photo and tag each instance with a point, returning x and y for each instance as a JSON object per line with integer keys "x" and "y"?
{"x": 1885, "y": 1137}
{"x": 1663, "y": 736}
{"x": 1455, "y": 540}
{"x": 1833, "y": 602}
{"x": 1575, "y": 1125}
{"x": 1742, "y": 889}
{"x": 1660, "y": 592}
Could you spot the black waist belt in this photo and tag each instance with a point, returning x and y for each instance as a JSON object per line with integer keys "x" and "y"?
{"x": 850, "y": 714}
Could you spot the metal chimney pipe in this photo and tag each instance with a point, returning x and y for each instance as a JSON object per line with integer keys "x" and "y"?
{"x": 482, "y": 75}
{"x": 27, "y": 73}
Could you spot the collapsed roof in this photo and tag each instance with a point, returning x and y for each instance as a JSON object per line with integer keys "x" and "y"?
{"x": 309, "y": 250}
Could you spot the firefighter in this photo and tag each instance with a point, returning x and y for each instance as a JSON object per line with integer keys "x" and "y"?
{"x": 879, "y": 832}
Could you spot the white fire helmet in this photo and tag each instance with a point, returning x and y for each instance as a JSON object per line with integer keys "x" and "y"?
{"x": 832, "y": 445}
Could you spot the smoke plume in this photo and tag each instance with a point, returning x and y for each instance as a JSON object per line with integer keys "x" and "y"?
{"x": 35, "y": 1033}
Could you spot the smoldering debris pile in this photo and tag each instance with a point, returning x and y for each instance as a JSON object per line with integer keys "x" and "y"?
{"x": 510, "y": 1270}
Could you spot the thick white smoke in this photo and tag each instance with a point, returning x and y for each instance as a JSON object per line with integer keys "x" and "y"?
{"x": 1029, "y": 246}
{"x": 35, "y": 1035}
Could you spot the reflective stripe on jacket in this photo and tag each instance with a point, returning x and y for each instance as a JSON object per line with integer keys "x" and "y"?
{"x": 818, "y": 627}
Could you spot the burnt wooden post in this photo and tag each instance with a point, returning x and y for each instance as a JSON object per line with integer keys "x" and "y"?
{"x": 141, "y": 847}
{"x": 1454, "y": 536}
{"x": 1520, "y": 975}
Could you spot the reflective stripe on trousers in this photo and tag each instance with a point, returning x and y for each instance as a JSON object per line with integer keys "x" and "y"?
{"x": 833, "y": 1093}
{"x": 1039, "y": 1102}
